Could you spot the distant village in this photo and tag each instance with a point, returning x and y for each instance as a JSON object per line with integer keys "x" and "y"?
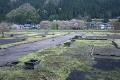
{"x": 61, "y": 24}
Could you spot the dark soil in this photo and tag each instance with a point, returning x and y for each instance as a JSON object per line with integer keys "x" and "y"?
{"x": 107, "y": 64}
{"x": 27, "y": 36}
{"x": 8, "y": 41}
{"x": 106, "y": 51}
{"x": 50, "y": 34}
{"x": 12, "y": 63}
{"x": 44, "y": 34}
{"x": 14, "y": 34}
{"x": 39, "y": 35}
{"x": 77, "y": 75}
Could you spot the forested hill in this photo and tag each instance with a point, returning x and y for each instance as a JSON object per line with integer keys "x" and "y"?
{"x": 59, "y": 9}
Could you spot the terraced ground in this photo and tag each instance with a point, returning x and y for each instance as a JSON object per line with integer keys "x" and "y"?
{"x": 12, "y": 53}
{"x": 15, "y": 38}
{"x": 69, "y": 63}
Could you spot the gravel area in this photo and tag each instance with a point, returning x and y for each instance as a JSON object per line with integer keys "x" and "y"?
{"x": 77, "y": 75}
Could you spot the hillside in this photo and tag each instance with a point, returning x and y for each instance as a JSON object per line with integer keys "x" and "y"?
{"x": 64, "y": 9}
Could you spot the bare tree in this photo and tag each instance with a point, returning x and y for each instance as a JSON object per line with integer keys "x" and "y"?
{"x": 4, "y": 28}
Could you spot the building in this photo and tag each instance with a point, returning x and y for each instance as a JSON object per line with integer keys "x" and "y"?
{"x": 90, "y": 25}
{"x": 28, "y": 26}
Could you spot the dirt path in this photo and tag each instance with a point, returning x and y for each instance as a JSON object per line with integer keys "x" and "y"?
{"x": 13, "y": 53}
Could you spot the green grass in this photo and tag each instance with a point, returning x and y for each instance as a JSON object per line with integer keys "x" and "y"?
{"x": 57, "y": 63}
{"x": 118, "y": 42}
{"x": 95, "y": 42}
{"x": 97, "y": 34}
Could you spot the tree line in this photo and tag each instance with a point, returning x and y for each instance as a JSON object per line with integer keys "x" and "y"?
{"x": 34, "y": 11}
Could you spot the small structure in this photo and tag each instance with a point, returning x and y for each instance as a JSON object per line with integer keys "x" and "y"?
{"x": 67, "y": 44}
{"x": 99, "y": 23}
{"x": 29, "y": 26}
{"x": 90, "y": 25}
{"x": 32, "y": 63}
{"x": 102, "y": 27}
{"x": 72, "y": 41}
{"x": 77, "y": 37}
{"x": 44, "y": 35}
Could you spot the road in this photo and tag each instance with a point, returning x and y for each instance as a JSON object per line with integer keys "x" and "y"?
{"x": 13, "y": 53}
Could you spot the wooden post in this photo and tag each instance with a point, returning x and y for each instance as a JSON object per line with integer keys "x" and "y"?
{"x": 2, "y": 34}
{"x": 92, "y": 50}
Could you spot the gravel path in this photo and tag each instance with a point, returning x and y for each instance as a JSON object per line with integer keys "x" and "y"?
{"x": 13, "y": 53}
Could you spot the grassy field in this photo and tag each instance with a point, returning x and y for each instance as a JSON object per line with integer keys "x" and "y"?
{"x": 118, "y": 42}
{"x": 56, "y": 63}
{"x": 59, "y": 63}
